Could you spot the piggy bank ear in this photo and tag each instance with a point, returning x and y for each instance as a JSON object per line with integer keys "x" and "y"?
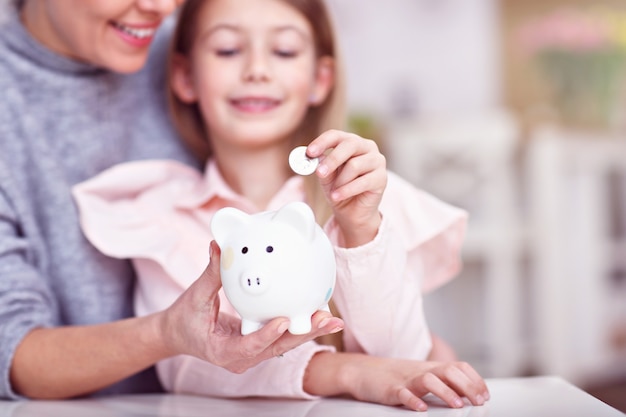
{"x": 298, "y": 215}
{"x": 225, "y": 220}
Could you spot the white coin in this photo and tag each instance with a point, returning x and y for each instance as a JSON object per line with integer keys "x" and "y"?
{"x": 300, "y": 163}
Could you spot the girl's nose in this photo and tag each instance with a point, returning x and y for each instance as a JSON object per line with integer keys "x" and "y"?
{"x": 257, "y": 68}
{"x": 161, "y": 7}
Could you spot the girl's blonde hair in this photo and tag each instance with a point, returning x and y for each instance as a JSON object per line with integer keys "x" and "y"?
{"x": 330, "y": 114}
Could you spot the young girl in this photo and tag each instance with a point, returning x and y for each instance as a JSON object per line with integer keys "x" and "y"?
{"x": 250, "y": 80}
{"x": 80, "y": 94}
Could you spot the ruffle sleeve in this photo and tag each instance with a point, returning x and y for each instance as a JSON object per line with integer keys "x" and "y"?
{"x": 275, "y": 377}
{"x": 380, "y": 285}
{"x": 429, "y": 228}
{"x": 129, "y": 211}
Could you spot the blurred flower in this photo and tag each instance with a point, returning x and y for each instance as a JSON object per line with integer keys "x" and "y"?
{"x": 581, "y": 54}
{"x": 574, "y": 30}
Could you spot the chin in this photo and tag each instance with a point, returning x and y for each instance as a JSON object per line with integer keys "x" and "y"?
{"x": 127, "y": 65}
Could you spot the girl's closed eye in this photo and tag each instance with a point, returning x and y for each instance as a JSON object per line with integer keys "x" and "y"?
{"x": 224, "y": 41}
{"x": 286, "y": 53}
{"x": 289, "y": 43}
{"x": 227, "y": 52}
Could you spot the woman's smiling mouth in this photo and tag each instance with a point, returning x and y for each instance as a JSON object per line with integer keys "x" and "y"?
{"x": 136, "y": 35}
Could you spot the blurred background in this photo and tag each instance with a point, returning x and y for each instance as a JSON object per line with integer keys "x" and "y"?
{"x": 516, "y": 111}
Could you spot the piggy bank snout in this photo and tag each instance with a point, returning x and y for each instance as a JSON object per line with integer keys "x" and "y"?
{"x": 254, "y": 281}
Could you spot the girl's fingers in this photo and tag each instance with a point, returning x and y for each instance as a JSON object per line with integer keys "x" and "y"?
{"x": 357, "y": 166}
{"x": 329, "y": 140}
{"x": 458, "y": 380}
{"x": 429, "y": 382}
{"x": 343, "y": 150}
{"x": 359, "y": 186}
{"x": 476, "y": 379}
{"x": 411, "y": 401}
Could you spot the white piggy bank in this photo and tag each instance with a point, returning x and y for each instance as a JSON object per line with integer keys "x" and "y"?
{"x": 275, "y": 264}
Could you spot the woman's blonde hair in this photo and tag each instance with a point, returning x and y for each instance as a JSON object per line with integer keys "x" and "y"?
{"x": 330, "y": 114}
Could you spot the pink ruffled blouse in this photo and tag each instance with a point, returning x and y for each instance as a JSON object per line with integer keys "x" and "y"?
{"x": 158, "y": 213}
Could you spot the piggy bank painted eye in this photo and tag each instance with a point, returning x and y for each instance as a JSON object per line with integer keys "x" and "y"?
{"x": 269, "y": 249}
{"x": 244, "y": 250}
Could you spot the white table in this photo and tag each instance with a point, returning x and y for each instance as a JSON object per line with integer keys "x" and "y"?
{"x": 510, "y": 397}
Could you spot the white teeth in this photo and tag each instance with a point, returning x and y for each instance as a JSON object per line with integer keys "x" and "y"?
{"x": 256, "y": 102}
{"x": 134, "y": 32}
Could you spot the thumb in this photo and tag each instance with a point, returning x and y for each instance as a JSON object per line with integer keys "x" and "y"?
{"x": 211, "y": 276}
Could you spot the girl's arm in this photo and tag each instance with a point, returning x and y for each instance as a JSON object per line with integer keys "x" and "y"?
{"x": 441, "y": 350}
{"x": 393, "y": 381}
{"x": 380, "y": 285}
{"x": 353, "y": 175}
{"x": 379, "y": 296}
{"x": 384, "y": 262}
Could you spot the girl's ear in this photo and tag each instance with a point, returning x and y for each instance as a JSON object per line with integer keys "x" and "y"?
{"x": 181, "y": 80}
{"x": 324, "y": 80}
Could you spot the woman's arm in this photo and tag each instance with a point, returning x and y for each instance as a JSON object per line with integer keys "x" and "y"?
{"x": 71, "y": 361}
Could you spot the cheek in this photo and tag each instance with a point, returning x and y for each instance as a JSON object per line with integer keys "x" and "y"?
{"x": 304, "y": 89}
{"x": 211, "y": 77}
{"x": 300, "y": 80}
{"x": 212, "y": 89}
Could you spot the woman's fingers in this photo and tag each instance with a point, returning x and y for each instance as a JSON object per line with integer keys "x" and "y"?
{"x": 239, "y": 353}
{"x": 211, "y": 277}
{"x": 322, "y": 323}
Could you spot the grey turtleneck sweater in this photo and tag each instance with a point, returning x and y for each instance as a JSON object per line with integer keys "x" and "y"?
{"x": 61, "y": 122}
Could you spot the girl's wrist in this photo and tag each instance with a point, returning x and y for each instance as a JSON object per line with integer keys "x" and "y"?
{"x": 332, "y": 374}
{"x": 354, "y": 235}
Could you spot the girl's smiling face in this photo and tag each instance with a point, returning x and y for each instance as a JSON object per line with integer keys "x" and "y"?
{"x": 253, "y": 70}
{"x": 113, "y": 34}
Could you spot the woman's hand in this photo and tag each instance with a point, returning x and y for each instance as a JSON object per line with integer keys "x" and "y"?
{"x": 394, "y": 381}
{"x": 194, "y": 325}
{"x": 353, "y": 175}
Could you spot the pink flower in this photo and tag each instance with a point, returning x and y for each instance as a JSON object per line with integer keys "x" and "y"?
{"x": 565, "y": 29}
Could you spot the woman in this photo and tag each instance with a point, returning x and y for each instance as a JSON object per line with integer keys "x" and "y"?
{"x": 77, "y": 99}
